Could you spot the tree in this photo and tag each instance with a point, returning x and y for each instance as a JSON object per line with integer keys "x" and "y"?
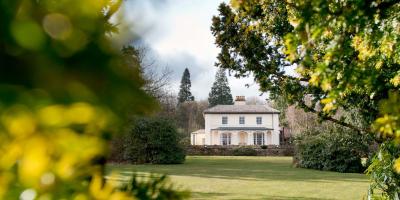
{"x": 156, "y": 80}
{"x": 199, "y": 115}
{"x": 252, "y": 39}
{"x": 345, "y": 53}
{"x": 280, "y": 103}
{"x": 64, "y": 91}
{"x": 325, "y": 145}
{"x": 154, "y": 140}
{"x": 184, "y": 92}
{"x": 335, "y": 149}
{"x": 168, "y": 105}
{"x": 189, "y": 116}
{"x": 220, "y": 92}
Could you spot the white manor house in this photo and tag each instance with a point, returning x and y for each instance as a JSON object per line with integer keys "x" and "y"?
{"x": 239, "y": 124}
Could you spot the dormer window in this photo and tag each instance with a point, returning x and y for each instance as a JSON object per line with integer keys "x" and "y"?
{"x": 224, "y": 120}
{"x": 241, "y": 120}
{"x": 259, "y": 120}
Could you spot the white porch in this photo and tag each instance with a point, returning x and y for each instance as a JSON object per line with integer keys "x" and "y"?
{"x": 238, "y": 137}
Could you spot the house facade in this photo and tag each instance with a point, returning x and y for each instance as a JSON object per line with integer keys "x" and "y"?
{"x": 239, "y": 124}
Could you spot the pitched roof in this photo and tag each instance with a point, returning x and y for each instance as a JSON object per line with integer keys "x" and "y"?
{"x": 241, "y": 109}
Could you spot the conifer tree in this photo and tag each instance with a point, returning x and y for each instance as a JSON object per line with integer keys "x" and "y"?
{"x": 220, "y": 92}
{"x": 184, "y": 92}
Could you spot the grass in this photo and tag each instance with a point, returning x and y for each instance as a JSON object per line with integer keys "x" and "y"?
{"x": 217, "y": 177}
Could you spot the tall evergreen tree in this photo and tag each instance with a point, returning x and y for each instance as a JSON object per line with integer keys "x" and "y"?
{"x": 220, "y": 92}
{"x": 184, "y": 92}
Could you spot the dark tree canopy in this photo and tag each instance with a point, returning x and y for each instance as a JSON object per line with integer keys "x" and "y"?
{"x": 184, "y": 92}
{"x": 220, "y": 91}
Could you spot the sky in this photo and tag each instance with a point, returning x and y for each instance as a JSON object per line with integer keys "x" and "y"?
{"x": 176, "y": 34}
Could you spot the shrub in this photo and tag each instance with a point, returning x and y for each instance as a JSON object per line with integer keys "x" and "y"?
{"x": 244, "y": 151}
{"x": 117, "y": 149}
{"x": 264, "y": 147}
{"x": 154, "y": 140}
{"x": 382, "y": 172}
{"x": 331, "y": 151}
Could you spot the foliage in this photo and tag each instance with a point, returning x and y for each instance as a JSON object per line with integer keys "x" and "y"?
{"x": 153, "y": 187}
{"x": 245, "y": 49}
{"x": 345, "y": 54}
{"x": 381, "y": 172}
{"x": 189, "y": 116}
{"x": 332, "y": 150}
{"x": 168, "y": 104}
{"x": 244, "y": 151}
{"x": 154, "y": 140}
{"x": 61, "y": 85}
{"x": 252, "y": 36}
{"x": 220, "y": 92}
{"x": 184, "y": 91}
{"x": 42, "y": 153}
{"x": 280, "y": 103}
{"x": 355, "y": 62}
{"x": 117, "y": 149}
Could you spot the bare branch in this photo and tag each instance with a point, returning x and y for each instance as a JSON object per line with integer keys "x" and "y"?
{"x": 323, "y": 116}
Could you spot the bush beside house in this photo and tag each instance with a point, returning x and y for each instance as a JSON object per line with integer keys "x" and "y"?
{"x": 234, "y": 150}
{"x": 244, "y": 151}
{"x": 331, "y": 151}
{"x": 150, "y": 140}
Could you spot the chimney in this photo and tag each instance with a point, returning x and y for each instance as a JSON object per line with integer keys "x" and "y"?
{"x": 240, "y": 100}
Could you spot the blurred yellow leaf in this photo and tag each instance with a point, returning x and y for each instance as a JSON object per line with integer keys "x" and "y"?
{"x": 396, "y": 80}
{"x": 53, "y": 116}
{"x": 80, "y": 113}
{"x": 19, "y": 121}
{"x": 35, "y": 161}
{"x": 28, "y": 34}
{"x": 396, "y": 166}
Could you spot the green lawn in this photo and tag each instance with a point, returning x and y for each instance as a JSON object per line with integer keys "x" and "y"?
{"x": 217, "y": 177}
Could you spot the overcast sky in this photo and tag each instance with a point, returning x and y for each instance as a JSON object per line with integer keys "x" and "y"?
{"x": 177, "y": 34}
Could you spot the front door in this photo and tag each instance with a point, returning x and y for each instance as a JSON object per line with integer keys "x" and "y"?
{"x": 242, "y": 138}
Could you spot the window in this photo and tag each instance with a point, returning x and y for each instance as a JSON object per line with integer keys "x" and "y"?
{"x": 224, "y": 120}
{"x": 226, "y": 139}
{"x": 259, "y": 138}
{"x": 194, "y": 139}
{"x": 241, "y": 120}
{"x": 259, "y": 120}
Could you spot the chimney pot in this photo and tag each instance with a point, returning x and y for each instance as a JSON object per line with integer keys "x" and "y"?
{"x": 240, "y": 100}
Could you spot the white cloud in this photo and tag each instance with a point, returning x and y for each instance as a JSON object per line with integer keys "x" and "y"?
{"x": 178, "y": 31}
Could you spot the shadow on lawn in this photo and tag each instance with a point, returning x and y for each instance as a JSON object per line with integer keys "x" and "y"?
{"x": 254, "y": 169}
{"x": 213, "y": 195}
